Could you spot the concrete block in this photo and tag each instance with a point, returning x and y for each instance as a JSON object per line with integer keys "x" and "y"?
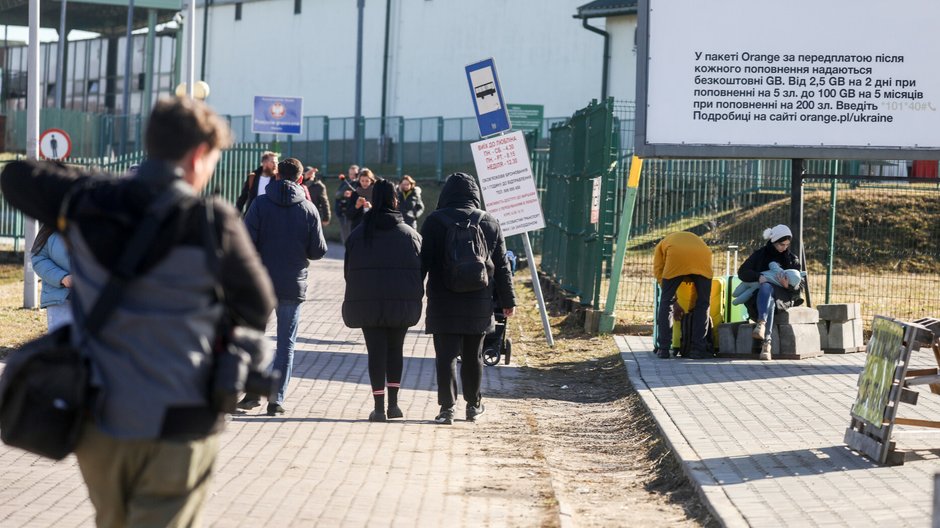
{"x": 592, "y": 320}
{"x": 846, "y": 335}
{"x": 744, "y": 342}
{"x": 727, "y": 337}
{"x": 796, "y": 315}
{"x": 798, "y": 340}
{"x": 823, "y": 334}
{"x": 839, "y": 313}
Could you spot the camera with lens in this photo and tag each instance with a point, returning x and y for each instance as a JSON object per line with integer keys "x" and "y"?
{"x": 241, "y": 361}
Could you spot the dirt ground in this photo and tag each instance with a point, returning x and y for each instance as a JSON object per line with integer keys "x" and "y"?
{"x": 582, "y": 421}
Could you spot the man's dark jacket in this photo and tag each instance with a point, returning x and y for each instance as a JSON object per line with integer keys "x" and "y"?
{"x": 318, "y": 196}
{"x": 249, "y": 190}
{"x": 152, "y": 358}
{"x": 450, "y": 312}
{"x": 285, "y": 228}
{"x": 384, "y": 285}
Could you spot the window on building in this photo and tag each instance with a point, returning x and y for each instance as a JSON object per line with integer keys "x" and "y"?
{"x": 93, "y": 86}
{"x": 50, "y": 89}
{"x": 297, "y": 7}
{"x": 238, "y": 11}
{"x": 141, "y": 81}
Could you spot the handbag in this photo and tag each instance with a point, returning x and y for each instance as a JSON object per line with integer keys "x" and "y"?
{"x": 44, "y": 389}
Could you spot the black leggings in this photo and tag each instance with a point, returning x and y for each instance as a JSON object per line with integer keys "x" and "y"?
{"x": 470, "y": 349}
{"x": 385, "y": 346}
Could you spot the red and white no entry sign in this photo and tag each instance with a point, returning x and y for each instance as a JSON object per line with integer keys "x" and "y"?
{"x": 55, "y": 144}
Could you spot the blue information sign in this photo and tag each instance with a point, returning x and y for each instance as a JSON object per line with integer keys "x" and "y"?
{"x": 277, "y": 115}
{"x": 488, "y": 103}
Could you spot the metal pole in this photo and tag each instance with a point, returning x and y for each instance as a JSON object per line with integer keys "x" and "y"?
{"x": 205, "y": 32}
{"x": 32, "y": 148}
{"x": 148, "y": 61}
{"x": 832, "y": 238}
{"x": 128, "y": 66}
{"x": 190, "y": 47}
{"x": 3, "y": 67}
{"x": 796, "y": 206}
{"x": 60, "y": 58}
{"x": 608, "y": 318}
{"x": 361, "y": 4}
{"x": 537, "y": 286}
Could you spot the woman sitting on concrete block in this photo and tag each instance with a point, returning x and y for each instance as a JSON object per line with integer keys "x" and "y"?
{"x": 769, "y": 296}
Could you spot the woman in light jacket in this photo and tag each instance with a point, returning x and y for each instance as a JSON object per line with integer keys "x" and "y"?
{"x": 51, "y": 262}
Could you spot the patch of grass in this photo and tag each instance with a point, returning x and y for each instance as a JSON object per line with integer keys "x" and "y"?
{"x": 17, "y": 324}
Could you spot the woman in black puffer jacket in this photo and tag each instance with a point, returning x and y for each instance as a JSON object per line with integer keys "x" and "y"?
{"x": 384, "y": 289}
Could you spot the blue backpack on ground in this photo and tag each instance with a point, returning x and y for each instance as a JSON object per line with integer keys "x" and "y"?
{"x": 465, "y": 255}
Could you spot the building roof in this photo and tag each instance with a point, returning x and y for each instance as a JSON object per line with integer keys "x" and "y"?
{"x": 605, "y": 8}
{"x": 108, "y": 17}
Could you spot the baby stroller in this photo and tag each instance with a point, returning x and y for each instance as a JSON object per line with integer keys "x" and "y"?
{"x": 495, "y": 343}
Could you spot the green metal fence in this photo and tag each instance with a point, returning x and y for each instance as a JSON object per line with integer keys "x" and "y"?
{"x": 883, "y": 251}
{"x": 581, "y": 200}
{"x": 870, "y": 242}
{"x": 424, "y": 147}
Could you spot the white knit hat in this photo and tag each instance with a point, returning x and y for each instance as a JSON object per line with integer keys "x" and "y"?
{"x": 777, "y": 232}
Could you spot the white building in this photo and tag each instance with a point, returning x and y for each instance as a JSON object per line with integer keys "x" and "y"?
{"x": 308, "y": 48}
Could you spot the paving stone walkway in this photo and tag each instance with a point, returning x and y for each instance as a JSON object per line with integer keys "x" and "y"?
{"x": 763, "y": 440}
{"x": 323, "y": 463}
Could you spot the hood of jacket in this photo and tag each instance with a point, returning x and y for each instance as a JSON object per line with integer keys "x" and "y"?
{"x": 285, "y": 193}
{"x": 460, "y": 192}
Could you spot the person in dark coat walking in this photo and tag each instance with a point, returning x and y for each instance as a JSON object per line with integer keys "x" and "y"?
{"x": 384, "y": 289}
{"x": 348, "y": 183}
{"x": 317, "y": 192}
{"x": 257, "y": 181}
{"x": 286, "y": 230}
{"x": 409, "y": 201}
{"x": 770, "y": 296}
{"x": 459, "y": 321}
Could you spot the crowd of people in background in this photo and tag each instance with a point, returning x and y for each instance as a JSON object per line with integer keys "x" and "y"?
{"x": 189, "y": 281}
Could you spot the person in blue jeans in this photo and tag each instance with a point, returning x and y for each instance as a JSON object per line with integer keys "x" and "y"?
{"x": 51, "y": 262}
{"x": 769, "y": 296}
{"x": 285, "y": 228}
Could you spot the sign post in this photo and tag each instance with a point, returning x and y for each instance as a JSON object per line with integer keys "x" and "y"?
{"x": 277, "y": 115}
{"x": 55, "y": 144}
{"x": 488, "y": 103}
{"x": 509, "y": 191}
{"x": 504, "y": 171}
{"x": 526, "y": 117}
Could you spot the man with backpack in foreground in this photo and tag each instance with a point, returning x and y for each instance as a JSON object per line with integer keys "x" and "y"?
{"x": 464, "y": 255}
{"x": 185, "y": 270}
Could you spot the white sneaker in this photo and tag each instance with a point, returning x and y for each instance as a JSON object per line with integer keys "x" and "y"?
{"x": 758, "y": 332}
{"x": 765, "y": 351}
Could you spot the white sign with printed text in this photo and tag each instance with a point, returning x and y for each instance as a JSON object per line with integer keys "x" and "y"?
{"x": 507, "y": 183}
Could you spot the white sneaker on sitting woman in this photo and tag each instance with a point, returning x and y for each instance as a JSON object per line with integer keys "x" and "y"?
{"x": 758, "y": 332}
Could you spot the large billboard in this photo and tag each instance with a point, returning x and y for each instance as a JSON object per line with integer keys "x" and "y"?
{"x": 851, "y": 79}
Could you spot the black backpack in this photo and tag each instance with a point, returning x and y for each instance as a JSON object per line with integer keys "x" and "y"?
{"x": 465, "y": 254}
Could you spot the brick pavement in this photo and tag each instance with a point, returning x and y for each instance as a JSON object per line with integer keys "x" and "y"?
{"x": 323, "y": 463}
{"x": 763, "y": 440}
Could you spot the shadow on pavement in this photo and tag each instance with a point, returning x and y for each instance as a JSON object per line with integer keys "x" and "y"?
{"x": 795, "y": 463}
{"x": 677, "y": 372}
